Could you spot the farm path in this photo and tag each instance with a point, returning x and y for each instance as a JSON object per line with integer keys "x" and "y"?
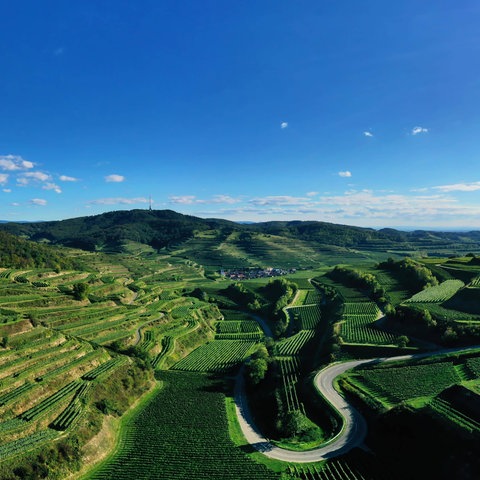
{"x": 138, "y": 334}
{"x": 264, "y": 325}
{"x": 354, "y": 425}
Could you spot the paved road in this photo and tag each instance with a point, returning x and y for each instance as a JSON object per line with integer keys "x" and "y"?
{"x": 354, "y": 425}
{"x": 351, "y": 435}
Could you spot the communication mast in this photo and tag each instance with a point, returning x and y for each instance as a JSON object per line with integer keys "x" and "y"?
{"x": 150, "y": 203}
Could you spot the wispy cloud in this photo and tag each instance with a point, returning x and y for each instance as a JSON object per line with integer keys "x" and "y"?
{"x": 38, "y": 201}
{"x": 283, "y": 125}
{"x": 223, "y": 199}
{"x": 366, "y": 133}
{"x": 59, "y": 51}
{"x": 459, "y": 187}
{"x": 7, "y": 190}
{"x": 363, "y": 207}
{"x": 66, "y": 178}
{"x": 14, "y": 162}
{"x": 27, "y": 177}
{"x": 114, "y": 178}
{"x": 279, "y": 200}
{"x": 3, "y": 178}
{"x": 52, "y": 186}
{"x": 118, "y": 201}
{"x": 193, "y": 200}
{"x": 311, "y": 194}
{"x": 184, "y": 199}
{"x": 346, "y": 173}
{"x": 418, "y": 130}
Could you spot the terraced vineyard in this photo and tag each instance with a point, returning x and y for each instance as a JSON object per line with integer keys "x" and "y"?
{"x": 65, "y": 349}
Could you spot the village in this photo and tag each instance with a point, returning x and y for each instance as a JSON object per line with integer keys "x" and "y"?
{"x": 249, "y": 273}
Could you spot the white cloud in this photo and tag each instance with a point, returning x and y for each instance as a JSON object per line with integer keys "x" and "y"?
{"x": 279, "y": 200}
{"x": 417, "y": 130}
{"x": 119, "y": 201}
{"x": 311, "y": 194}
{"x": 459, "y": 187}
{"x": 114, "y": 178}
{"x": 3, "y": 178}
{"x": 27, "y": 177}
{"x": 14, "y": 162}
{"x": 38, "y": 201}
{"x": 193, "y": 200}
{"x": 52, "y": 186}
{"x": 223, "y": 199}
{"x": 368, "y": 134}
{"x": 65, "y": 178}
{"x": 184, "y": 199}
{"x": 7, "y": 190}
{"x": 283, "y": 125}
{"x": 346, "y": 173}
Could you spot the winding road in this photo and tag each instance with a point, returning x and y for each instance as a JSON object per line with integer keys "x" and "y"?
{"x": 354, "y": 427}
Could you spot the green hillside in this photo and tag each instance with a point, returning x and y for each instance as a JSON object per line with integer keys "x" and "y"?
{"x": 159, "y": 312}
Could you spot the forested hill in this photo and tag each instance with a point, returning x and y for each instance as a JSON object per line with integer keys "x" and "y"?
{"x": 16, "y": 252}
{"x": 164, "y": 228}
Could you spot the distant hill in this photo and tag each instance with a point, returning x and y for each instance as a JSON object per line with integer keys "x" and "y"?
{"x": 166, "y": 228}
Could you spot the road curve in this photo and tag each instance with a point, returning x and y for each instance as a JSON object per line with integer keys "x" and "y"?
{"x": 354, "y": 427}
{"x": 352, "y": 434}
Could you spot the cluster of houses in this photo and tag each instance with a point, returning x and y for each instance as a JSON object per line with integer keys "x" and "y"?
{"x": 248, "y": 273}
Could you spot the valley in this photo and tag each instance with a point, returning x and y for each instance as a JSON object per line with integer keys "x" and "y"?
{"x": 141, "y": 322}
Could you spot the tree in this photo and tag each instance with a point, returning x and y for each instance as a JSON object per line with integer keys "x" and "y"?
{"x": 295, "y": 423}
{"x": 256, "y": 369}
{"x": 402, "y": 341}
{"x": 80, "y": 290}
{"x": 257, "y": 365}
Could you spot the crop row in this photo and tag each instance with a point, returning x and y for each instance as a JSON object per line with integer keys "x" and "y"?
{"x": 182, "y": 433}
{"x": 313, "y": 296}
{"x": 360, "y": 308}
{"x": 361, "y": 329}
{"x": 36, "y": 356}
{"x": 50, "y": 402}
{"x": 239, "y": 336}
{"x": 411, "y": 381}
{"x": 216, "y": 356}
{"x": 243, "y": 326}
{"x": 475, "y": 282}
{"x": 74, "y": 410}
{"x": 290, "y": 380}
{"x": 27, "y": 443}
{"x": 40, "y": 369}
{"x": 438, "y": 293}
{"x": 87, "y": 357}
{"x": 448, "y": 411}
{"x": 15, "y": 393}
{"x": 331, "y": 470}
{"x": 147, "y": 342}
{"x": 167, "y": 344}
{"x": 104, "y": 368}
{"x": 307, "y": 317}
{"x": 292, "y": 345}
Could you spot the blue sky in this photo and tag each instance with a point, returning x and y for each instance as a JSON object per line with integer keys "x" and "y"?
{"x": 361, "y": 113}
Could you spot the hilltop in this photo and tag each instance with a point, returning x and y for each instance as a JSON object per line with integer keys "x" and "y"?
{"x": 159, "y": 229}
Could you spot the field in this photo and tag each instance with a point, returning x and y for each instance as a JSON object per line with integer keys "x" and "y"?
{"x": 181, "y": 433}
{"x": 71, "y": 357}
